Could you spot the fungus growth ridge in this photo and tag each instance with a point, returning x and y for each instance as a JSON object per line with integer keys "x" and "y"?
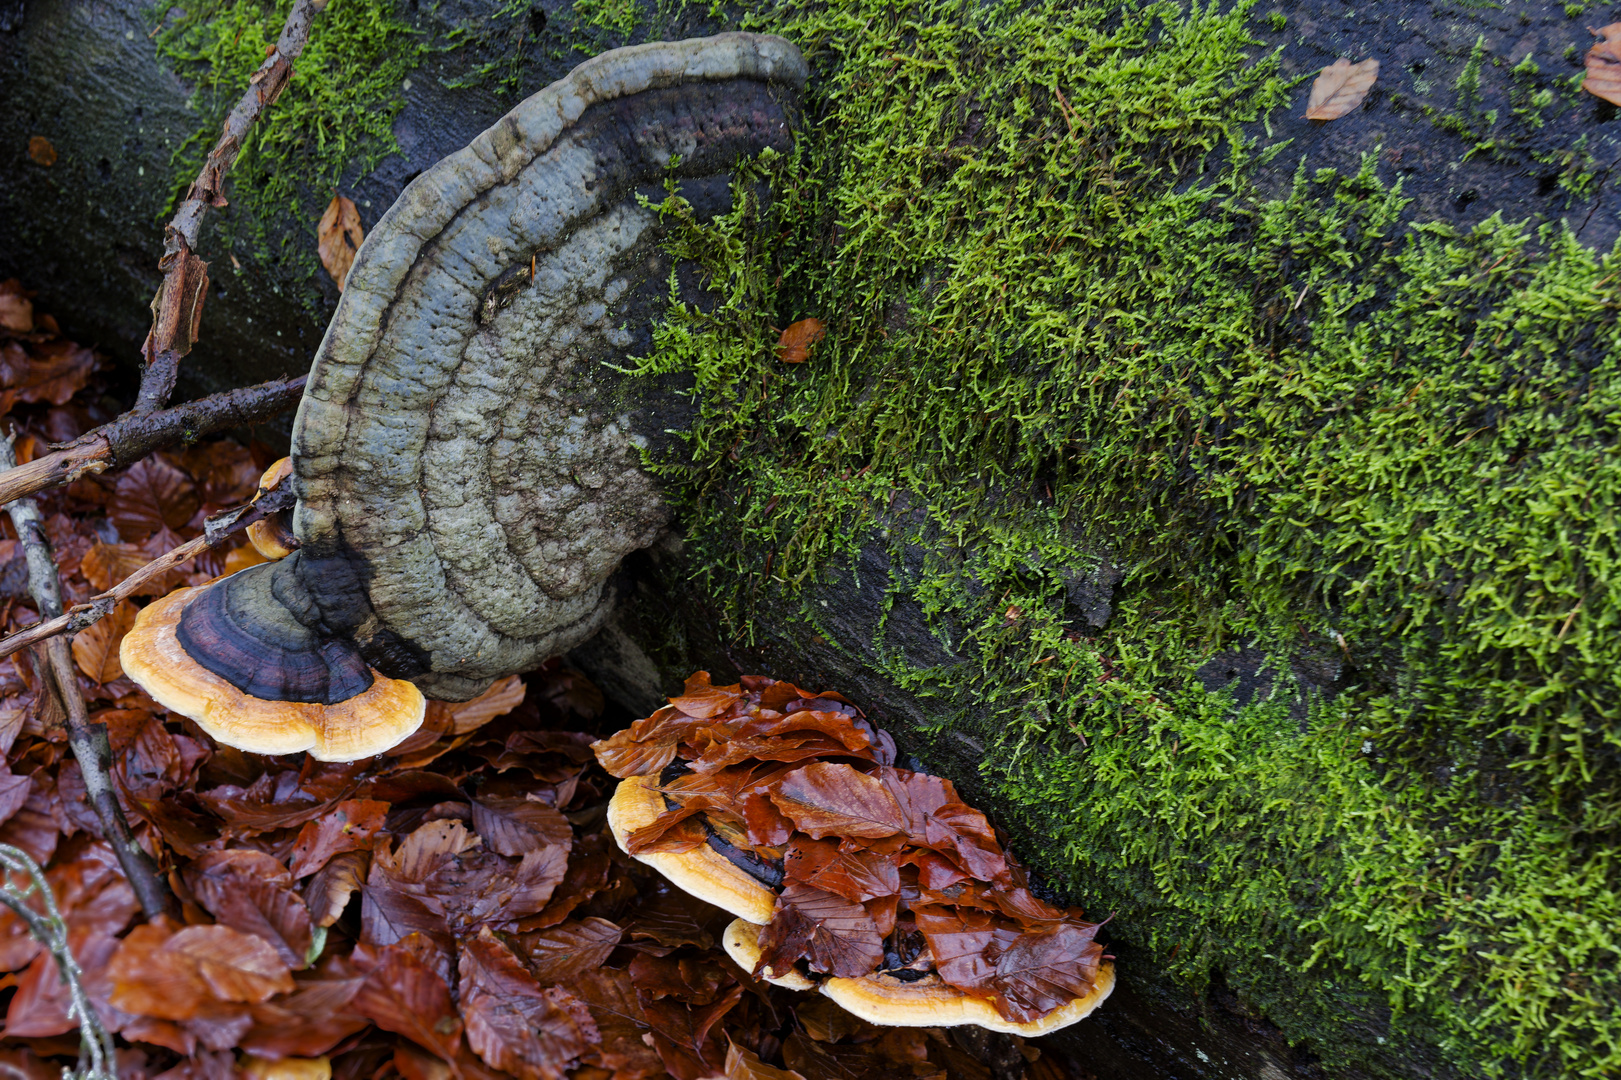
{"x": 467, "y": 457}
{"x": 877, "y": 885}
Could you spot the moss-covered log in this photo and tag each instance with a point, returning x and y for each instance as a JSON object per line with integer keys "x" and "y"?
{"x": 1228, "y": 501}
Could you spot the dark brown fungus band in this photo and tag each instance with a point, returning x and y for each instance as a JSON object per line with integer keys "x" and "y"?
{"x": 467, "y": 455}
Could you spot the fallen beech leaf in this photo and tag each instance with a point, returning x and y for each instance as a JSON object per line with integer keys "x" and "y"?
{"x": 404, "y": 995}
{"x": 558, "y": 954}
{"x": 1038, "y": 972}
{"x": 252, "y": 892}
{"x": 308, "y": 1022}
{"x": 16, "y": 311}
{"x": 40, "y": 151}
{"x": 105, "y": 565}
{"x": 41, "y": 1006}
{"x": 833, "y": 799}
{"x": 794, "y": 346}
{"x": 611, "y": 997}
{"x": 329, "y": 890}
{"x": 834, "y": 936}
{"x": 189, "y": 974}
{"x": 53, "y": 371}
{"x": 702, "y": 700}
{"x": 515, "y": 827}
{"x": 512, "y": 1023}
{"x": 856, "y": 876}
{"x": 1604, "y": 64}
{"x": 349, "y": 826}
{"x": 95, "y": 648}
{"x": 150, "y": 495}
{"x": 501, "y": 698}
{"x": 338, "y": 237}
{"x": 1341, "y": 88}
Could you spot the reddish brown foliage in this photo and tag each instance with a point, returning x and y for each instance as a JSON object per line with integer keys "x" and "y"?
{"x": 868, "y": 852}
{"x": 456, "y": 910}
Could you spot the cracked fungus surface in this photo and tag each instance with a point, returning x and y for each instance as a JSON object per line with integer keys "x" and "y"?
{"x": 1366, "y": 457}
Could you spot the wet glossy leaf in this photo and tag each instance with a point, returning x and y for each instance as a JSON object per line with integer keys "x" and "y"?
{"x": 404, "y": 995}
{"x": 1038, "y": 972}
{"x": 338, "y": 237}
{"x": 328, "y": 892}
{"x": 516, "y": 827}
{"x": 95, "y": 648}
{"x": 512, "y": 1023}
{"x": 349, "y": 826}
{"x": 150, "y": 495}
{"x": 834, "y": 936}
{"x": 854, "y": 875}
{"x": 558, "y": 954}
{"x": 1340, "y": 88}
{"x": 833, "y": 799}
{"x": 186, "y": 974}
{"x": 252, "y": 892}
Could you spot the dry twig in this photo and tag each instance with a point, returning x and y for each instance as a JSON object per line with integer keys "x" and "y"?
{"x": 96, "y": 1053}
{"x": 89, "y": 741}
{"x": 136, "y": 434}
{"x": 177, "y": 308}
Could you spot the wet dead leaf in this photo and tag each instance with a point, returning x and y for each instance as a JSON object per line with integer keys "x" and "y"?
{"x": 338, "y": 237}
{"x": 1604, "y": 64}
{"x": 512, "y": 1023}
{"x": 151, "y": 495}
{"x": 95, "y": 648}
{"x": 16, "y": 309}
{"x": 1340, "y": 88}
{"x": 794, "y": 346}
{"x": 40, "y": 151}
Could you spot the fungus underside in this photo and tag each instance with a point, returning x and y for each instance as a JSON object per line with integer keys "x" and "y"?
{"x": 1033, "y": 294}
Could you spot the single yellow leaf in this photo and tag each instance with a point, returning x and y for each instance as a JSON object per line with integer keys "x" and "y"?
{"x": 1604, "y": 65}
{"x": 795, "y": 344}
{"x": 95, "y": 648}
{"x": 1341, "y": 88}
{"x": 41, "y": 152}
{"x": 338, "y": 237}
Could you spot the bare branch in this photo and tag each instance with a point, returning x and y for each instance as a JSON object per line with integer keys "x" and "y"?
{"x": 89, "y": 741}
{"x": 135, "y": 434}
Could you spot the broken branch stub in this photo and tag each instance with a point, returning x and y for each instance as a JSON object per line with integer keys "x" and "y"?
{"x": 466, "y": 456}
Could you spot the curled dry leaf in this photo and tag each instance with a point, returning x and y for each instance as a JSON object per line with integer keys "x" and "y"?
{"x": 95, "y": 649}
{"x": 40, "y": 151}
{"x": 1340, "y": 88}
{"x": 1604, "y": 65}
{"x": 795, "y": 344}
{"x": 338, "y": 236}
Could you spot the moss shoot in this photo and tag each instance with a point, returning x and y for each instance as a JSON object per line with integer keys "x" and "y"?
{"x": 1061, "y": 319}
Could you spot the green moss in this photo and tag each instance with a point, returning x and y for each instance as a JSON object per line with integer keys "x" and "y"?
{"x": 1061, "y": 321}
{"x": 332, "y": 122}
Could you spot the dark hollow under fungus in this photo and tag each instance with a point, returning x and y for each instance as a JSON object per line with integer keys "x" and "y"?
{"x": 466, "y": 457}
{"x": 875, "y": 885}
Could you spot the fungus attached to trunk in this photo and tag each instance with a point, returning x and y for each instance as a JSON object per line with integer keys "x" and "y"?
{"x": 468, "y": 453}
{"x": 875, "y": 885}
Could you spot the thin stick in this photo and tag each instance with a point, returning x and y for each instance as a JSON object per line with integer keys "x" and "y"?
{"x": 136, "y": 434}
{"x": 98, "y": 607}
{"x": 96, "y": 1053}
{"x": 89, "y": 741}
{"x": 177, "y": 309}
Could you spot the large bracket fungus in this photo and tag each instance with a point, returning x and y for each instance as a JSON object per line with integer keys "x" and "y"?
{"x": 876, "y": 886}
{"x": 467, "y": 459}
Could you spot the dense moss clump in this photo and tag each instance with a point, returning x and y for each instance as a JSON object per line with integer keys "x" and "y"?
{"x": 1378, "y": 455}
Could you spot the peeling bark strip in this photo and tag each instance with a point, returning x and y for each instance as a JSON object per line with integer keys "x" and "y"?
{"x": 177, "y": 309}
{"x": 467, "y": 466}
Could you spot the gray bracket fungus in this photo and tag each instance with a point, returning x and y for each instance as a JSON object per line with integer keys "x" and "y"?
{"x": 467, "y": 463}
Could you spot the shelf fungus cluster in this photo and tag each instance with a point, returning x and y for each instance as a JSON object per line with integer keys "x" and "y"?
{"x": 467, "y": 457}
{"x": 875, "y": 885}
